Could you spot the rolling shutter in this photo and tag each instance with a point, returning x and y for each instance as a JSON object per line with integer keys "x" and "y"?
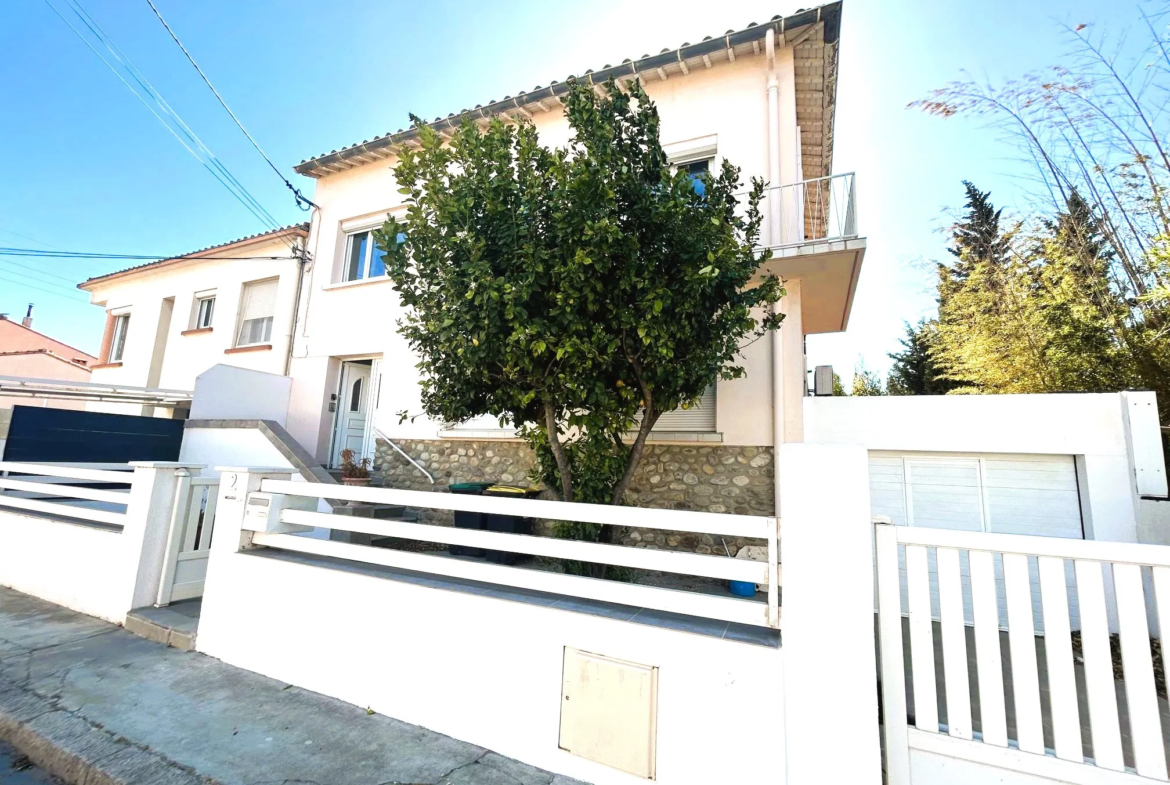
{"x": 1005, "y": 494}
{"x": 700, "y": 418}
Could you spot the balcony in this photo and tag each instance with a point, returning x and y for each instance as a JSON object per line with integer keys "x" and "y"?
{"x": 811, "y": 229}
{"x": 823, "y": 210}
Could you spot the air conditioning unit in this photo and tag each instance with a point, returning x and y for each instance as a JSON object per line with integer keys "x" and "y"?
{"x": 823, "y": 380}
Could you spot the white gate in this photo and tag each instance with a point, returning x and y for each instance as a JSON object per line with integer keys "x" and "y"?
{"x": 189, "y": 539}
{"x": 1045, "y": 706}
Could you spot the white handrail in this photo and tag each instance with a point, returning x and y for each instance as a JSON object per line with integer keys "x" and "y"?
{"x": 716, "y": 524}
{"x": 400, "y": 451}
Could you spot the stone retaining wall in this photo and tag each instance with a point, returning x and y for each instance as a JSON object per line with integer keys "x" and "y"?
{"x": 681, "y": 477}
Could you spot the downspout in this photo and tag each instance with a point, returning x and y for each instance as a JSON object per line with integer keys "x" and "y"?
{"x": 773, "y": 228}
{"x": 773, "y": 141}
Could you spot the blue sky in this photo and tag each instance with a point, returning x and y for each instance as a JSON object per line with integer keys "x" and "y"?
{"x": 87, "y": 167}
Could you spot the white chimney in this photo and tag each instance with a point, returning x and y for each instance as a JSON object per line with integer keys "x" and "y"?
{"x": 27, "y": 320}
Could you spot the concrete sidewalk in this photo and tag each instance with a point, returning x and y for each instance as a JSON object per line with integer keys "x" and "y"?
{"x": 95, "y": 704}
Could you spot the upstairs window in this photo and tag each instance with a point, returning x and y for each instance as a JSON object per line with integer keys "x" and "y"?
{"x": 204, "y": 310}
{"x": 696, "y": 170}
{"x": 363, "y": 259}
{"x": 118, "y": 338}
{"x": 257, "y": 306}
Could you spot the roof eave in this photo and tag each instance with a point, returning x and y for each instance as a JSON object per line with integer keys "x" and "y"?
{"x": 383, "y": 146}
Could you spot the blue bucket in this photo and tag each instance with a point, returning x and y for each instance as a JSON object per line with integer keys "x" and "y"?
{"x": 743, "y": 588}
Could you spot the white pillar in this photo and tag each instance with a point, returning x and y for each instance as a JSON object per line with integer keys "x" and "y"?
{"x": 148, "y": 521}
{"x": 827, "y": 618}
{"x": 795, "y": 381}
{"x": 235, "y": 483}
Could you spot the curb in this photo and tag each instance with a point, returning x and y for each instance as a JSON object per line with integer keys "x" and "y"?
{"x": 78, "y": 751}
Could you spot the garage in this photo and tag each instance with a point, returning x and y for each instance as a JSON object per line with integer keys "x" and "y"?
{"x": 1001, "y": 493}
{"x": 1005, "y": 494}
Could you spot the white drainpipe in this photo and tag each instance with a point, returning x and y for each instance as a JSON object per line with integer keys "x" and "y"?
{"x": 773, "y": 239}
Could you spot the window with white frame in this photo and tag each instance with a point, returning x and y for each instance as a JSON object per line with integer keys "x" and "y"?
{"x": 118, "y": 337}
{"x": 363, "y": 258}
{"x": 257, "y": 306}
{"x": 203, "y": 311}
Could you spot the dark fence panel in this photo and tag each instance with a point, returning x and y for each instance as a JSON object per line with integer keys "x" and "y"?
{"x": 41, "y": 434}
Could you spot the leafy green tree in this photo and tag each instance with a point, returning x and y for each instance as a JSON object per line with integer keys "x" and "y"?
{"x": 577, "y": 293}
{"x": 914, "y": 371}
{"x": 865, "y": 381}
{"x": 838, "y": 387}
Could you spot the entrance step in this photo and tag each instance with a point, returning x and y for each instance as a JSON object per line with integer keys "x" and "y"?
{"x": 174, "y": 625}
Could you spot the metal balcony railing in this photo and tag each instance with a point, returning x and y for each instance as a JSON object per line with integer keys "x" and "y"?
{"x": 813, "y": 211}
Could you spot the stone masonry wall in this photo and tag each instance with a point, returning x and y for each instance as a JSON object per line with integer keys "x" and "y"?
{"x": 682, "y": 477}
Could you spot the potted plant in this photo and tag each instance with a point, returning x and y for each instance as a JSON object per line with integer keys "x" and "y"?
{"x": 354, "y": 472}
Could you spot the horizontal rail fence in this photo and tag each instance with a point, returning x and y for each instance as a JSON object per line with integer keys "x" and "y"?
{"x": 1035, "y": 697}
{"x": 92, "y": 492}
{"x": 726, "y": 608}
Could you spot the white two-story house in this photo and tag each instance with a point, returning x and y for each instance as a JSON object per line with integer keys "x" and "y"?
{"x": 762, "y": 97}
{"x": 170, "y": 320}
{"x": 313, "y": 303}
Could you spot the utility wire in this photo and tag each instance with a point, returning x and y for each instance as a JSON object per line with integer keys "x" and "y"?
{"x": 46, "y": 291}
{"x": 239, "y": 192}
{"x": 302, "y": 202}
{"x": 42, "y": 254}
{"x": 38, "y": 271}
{"x": 150, "y": 89}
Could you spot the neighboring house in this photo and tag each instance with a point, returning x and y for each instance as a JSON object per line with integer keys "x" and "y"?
{"x": 763, "y": 97}
{"x": 27, "y": 353}
{"x": 170, "y": 320}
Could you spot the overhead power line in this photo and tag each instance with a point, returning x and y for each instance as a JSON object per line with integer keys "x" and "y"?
{"x": 39, "y": 253}
{"x": 76, "y": 297}
{"x": 302, "y": 202}
{"x": 200, "y": 150}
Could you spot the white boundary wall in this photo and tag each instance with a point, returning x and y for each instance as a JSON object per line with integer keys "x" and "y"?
{"x": 489, "y": 671}
{"x": 102, "y": 572}
{"x": 1113, "y": 436}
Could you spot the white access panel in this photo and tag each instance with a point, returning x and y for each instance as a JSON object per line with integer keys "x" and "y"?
{"x": 609, "y": 711}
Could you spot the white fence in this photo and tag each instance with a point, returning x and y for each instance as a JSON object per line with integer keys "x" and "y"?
{"x": 1051, "y": 707}
{"x": 69, "y": 534}
{"x": 480, "y": 651}
{"x": 726, "y": 608}
{"x": 66, "y": 490}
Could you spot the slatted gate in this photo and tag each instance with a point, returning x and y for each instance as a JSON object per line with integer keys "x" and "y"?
{"x": 189, "y": 539}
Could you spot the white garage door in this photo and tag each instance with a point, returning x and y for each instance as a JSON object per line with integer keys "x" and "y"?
{"x": 1006, "y": 494}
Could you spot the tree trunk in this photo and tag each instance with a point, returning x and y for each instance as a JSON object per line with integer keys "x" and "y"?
{"x": 558, "y": 451}
{"x": 636, "y": 450}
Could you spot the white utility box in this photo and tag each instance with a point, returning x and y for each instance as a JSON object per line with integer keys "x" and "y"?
{"x": 262, "y": 512}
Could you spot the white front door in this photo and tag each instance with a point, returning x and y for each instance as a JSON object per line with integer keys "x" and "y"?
{"x": 352, "y": 410}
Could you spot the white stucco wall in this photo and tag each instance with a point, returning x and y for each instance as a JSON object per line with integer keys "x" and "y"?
{"x": 728, "y": 102}
{"x": 77, "y": 566}
{"x": 186, "y": 356}
{"x": 1109, "y": 434}
{"x": 224, "y": 392}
